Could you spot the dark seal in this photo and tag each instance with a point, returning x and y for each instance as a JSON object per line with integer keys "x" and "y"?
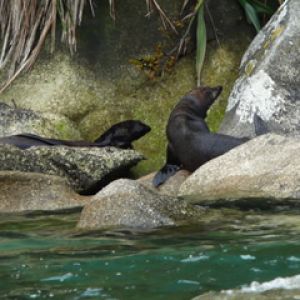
{"x": 120, "y": 135}
{"x": 190, "y": 142}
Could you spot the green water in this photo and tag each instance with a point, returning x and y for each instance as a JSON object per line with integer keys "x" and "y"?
{"x": 43, "y": 257}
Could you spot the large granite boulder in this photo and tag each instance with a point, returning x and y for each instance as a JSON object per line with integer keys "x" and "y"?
{"x": 127, "y": 203}
{"x": 86, "y": 169}
{"x": 25, "y": 192}
{"x": 269, "y": 82}
{"x": 265, "y": 168}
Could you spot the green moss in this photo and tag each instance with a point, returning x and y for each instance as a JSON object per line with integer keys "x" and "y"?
{"x": 277, "y": 32}
{"x": 249, "y": 67}
{"x": 152, "y": 101}
{"x": 273, "y": 36}
{"x": 222, "y": 68}
{"x": 64, "y": 130}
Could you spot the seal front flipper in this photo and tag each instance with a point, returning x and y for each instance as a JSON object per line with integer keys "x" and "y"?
{"x": 164, "y": 173}
{"x": 169, "y": 169}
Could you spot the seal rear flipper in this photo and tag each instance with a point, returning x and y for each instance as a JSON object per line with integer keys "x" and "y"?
{"x": 36, "y": 140}
{"x": 260, "y": 126}
{"x": 164, "y": 173}
{"x": 169, "y": 169}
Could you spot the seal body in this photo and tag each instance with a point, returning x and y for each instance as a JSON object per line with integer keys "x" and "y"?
{"x": 120, "y": 135}
{"x": 190, "y": 143}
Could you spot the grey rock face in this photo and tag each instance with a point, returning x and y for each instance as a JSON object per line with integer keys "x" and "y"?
{"x": 269, "y": 82}
{"x": 267, "y": 167}
{"x": 23, "y": 192}
{"x": 127, "y": 203}
{"x": 83, "y": 168}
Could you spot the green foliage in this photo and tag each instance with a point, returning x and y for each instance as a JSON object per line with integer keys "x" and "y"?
{"x": 201, "y": 39}
{"x": 254, "y": 8}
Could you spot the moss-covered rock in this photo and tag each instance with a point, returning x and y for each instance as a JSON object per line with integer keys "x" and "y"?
{"x": 100, "y": 86}
{"x": 15, "y": 121}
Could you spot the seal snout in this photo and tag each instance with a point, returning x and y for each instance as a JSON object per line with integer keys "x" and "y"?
{"x": 216, "y": 91}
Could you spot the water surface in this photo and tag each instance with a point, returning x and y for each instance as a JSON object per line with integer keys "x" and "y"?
{"x": 44, "y": 257}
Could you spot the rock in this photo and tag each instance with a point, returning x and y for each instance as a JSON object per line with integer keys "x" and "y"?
{"x": 236, "y": 295}
{"x": 100, "y": 86}
{"x": 23, "y": 192}
{"x": 15, "y": 121}
{"x": 267, "y": 167}
{"x": 221, "y": 63}
{"x": 170, "y": 187}
{"x": 128, "y": 203}
{"x": 281, "y": 288}
{"x": 86, "y": 169}
{"x": 269, "y": 78}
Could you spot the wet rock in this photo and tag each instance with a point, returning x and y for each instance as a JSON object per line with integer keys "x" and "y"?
{"x": 263, "y": 171}
{"x": 281, "y": 288}
{"x": 128, "y": 203}
{"x": 269, "y": 82}
{"x": 23, "y": 192}
{"x": 85, "y": 169}
{"x": 170, "y": 187}
{"x": 272, "y": 295}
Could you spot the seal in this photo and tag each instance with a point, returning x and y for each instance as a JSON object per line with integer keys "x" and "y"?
{"x": 120, "y": 135}
{"x": 190, "y": 142}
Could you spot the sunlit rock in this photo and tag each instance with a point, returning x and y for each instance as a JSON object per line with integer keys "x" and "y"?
{"x": 264, "y": 170}
{"x": 269, "y": 78}
{"x": 170, "y": 187}
{"x": 25, "y": 192}
{"x": 128, "y": 203}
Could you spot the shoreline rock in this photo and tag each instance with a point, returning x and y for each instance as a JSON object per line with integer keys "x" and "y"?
{"x": 27, "y": 192}
{"x": 267, "y": 167}
{"x": 128, "y": 203}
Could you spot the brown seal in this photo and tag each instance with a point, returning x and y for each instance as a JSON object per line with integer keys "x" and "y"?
{"x": 190, "y": 142}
